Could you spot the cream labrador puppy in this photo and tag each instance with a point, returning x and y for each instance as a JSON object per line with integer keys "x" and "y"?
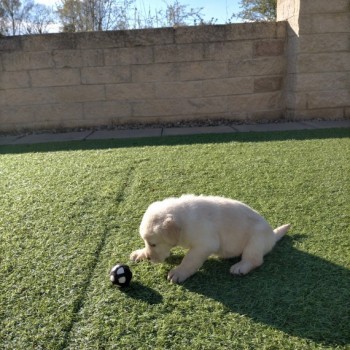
{"x": 206, "y": 226}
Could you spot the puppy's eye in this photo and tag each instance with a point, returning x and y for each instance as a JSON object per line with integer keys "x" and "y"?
{"x": 152, "y": 245}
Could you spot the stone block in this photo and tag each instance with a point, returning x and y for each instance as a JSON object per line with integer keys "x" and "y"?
{"x": 235, "y": 115}
{"x": 129, "y": 55}
{"x": 47, "y": 95}
{"x": 100, "y": 40}
{"x": 227, "y": 86}
{"x": 324, "y": 6}
{"x": 323, "y": 62}
{"x": 328, "y": 99}
{"x": 102, "y": 111}
{"x": 347, "y": 113}
{"x": 156, "y": 108}
{"x": 57, "y": 41}
{"x": 150, "y": 36}
{"x": 254, "y": 30}
{"x": 28, "y": 96}
{"x": 3, "y": 98}
{"x": 79, "y": 93}
{"x": 80, "y": 123}
{"x": 10, "y": 43}
{"x": 330, "y": 23}
{"x": 55, "y": 113}
{"x": 293, "y": 27}
{"x": 137, "y": 91}
{"x": 14, "y": 80}
{"x": 267, "y": 115}
{"x": 322, "y": 81}
{"x": 179, "y": 107}
{"x": 281, "y": 30}
{"x": 267, "y": 84}
{"x": 296, "y": 100}
{"x": 228, "y": 50}
{"x": 77, "y": 58}
{"x": 188, "y": 89}
{"x": 155, "y": 72}
{"x": 19, "y": 60}
{"x": 15, "y": 114}
{"x": 179, "y": 53}
{"x": 325, "y": 113}
{"x": 318, "y": 43}
{"x": 105, "y": 75}
{"x": 275, "y": 65}
{"x": 58, "y": 112}
{"x": 200, "y": 34}
{"x": 255, "y": 102}
{"x": 266, "y": 48}
{"x": 202, "y": 70}
{"x": 55, "y": 77}
{"x": 287, "y": 9}
{"x": 207, "y": 105}
{"x": 324, "y": 23}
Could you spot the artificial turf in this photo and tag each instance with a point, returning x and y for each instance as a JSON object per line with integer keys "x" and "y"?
{"x": 70, "y": 211}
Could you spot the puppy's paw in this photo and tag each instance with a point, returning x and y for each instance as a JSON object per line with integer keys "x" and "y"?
{"x": 177, "y": 275}
{"x": 241, "y": 268}
{"x": 138, "y": 255}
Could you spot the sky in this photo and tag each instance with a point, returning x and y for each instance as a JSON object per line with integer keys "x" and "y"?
{"x": 218, "y": 9}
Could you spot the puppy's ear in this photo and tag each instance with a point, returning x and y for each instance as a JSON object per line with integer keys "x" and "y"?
{"x": 171, "y": 230}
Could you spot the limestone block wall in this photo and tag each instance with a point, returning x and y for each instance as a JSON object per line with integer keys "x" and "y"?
{"x": 90, "y": 79}
{"x": 297, "y": 68}
{"x": 318, "y": 51}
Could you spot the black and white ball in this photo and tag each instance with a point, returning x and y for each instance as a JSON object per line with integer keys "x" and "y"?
{"x": 120, "y": 275}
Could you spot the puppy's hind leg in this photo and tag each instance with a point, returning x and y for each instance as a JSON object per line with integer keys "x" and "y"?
{"x": 252, "y": 257}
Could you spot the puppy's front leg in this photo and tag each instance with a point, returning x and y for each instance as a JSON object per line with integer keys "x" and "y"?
{"x": 138, "y": 255}
{"x": 190, "y": 264}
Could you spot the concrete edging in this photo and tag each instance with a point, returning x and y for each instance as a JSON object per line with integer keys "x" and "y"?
{"x": 163, "y": 132}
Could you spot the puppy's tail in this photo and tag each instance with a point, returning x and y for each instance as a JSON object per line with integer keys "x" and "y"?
{"x": 281, "y": 231}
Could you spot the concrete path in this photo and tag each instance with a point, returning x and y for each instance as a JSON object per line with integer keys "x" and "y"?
{"x": 160, "y": 132}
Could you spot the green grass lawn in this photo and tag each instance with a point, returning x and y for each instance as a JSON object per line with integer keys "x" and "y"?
{"x": 68, "y": 212}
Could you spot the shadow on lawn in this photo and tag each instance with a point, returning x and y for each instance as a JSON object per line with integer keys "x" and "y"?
{"x": 178, "y": 140}
{"x": 141, "y": 292}
{"x": 300, "y": 294}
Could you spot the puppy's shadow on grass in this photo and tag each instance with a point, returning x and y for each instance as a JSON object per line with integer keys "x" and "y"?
{"x": 298, "y": 293}
{"x": 141, "y": 292}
